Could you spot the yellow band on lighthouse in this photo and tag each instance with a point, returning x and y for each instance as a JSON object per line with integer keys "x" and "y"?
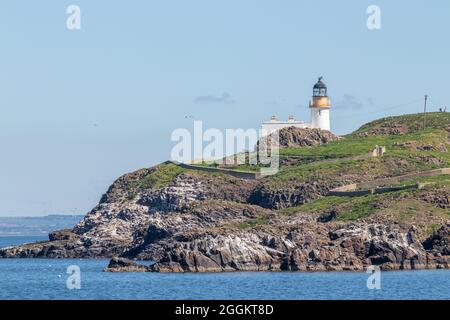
{"x": 320, "y": 102}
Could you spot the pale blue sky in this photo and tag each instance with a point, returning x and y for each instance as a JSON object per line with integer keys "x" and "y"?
{"x": 80, "y": 108}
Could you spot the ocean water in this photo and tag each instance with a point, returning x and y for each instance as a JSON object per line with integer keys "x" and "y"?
{"x": 47, "y": 279}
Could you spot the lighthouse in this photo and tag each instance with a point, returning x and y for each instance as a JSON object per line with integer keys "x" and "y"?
{"x": 320, "y": 106}
{"x": 320, "y": 113}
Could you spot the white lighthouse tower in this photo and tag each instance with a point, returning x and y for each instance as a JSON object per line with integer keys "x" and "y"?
{"x": 320, "y": 107}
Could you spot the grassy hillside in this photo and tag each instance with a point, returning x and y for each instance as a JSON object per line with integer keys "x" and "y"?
{"x": 306, "y": 170}
{"x": 409, "y": 149}
{"x": 408, "y": 123}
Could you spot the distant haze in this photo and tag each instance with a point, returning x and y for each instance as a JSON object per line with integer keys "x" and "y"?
{"x": 36, "y": 226}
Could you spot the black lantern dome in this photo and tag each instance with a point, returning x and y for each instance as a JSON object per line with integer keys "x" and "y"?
{"x": 320, "y": 89}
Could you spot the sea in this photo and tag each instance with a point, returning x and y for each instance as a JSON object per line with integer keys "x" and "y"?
{"x": 73, "y": 279}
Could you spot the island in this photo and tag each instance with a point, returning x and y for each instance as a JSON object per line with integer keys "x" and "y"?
{"x": 378, "y": 196}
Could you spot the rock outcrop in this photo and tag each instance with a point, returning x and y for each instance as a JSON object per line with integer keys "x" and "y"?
{"x": 125, "y": 265}
{"x": 297, "y": 137}
{"x": 439, "y": 242}
{"x": 290, "y": 195}
{"x": 293, "y": 137}
{"x": 308, "y": 248}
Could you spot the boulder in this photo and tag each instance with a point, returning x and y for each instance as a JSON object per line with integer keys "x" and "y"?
{"x": 65, "y": 234}
{"x": 118, "y": 264}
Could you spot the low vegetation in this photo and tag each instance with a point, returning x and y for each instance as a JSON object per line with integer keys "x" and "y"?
{"x": 409, "y": 147}
{"x": 407, "y": 123}
{"x": 161, "y": 176}
{"x": 411, "y": 150}
{"x": 349, "y": 208}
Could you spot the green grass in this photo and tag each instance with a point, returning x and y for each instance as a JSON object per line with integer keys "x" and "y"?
{"x": 318, "y": 170}
{"x": 434, "y": 120}
{"x": 441, "y": 180}
{"x": 353, "y": 208}
{"x": 161, "y": 177}
{"x": 332, "y": 158}
{"x": 250, "y": 223}
{"x": 407, "y": 213}
{"x": 333, "y": 149}
{"x": 433, "y": 228}
{"x": 361, "y": 208}
{"x": 414, "y": 122}
{"x": 318, "y": 205}
{"x": 354, "y": 145}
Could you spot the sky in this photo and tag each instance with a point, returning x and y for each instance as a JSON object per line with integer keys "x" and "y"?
{"x": 79, "y": 108}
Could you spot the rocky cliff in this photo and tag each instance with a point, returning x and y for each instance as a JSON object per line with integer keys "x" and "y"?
{"x": 193, "y": 221}
{"x": 292, "y": 137}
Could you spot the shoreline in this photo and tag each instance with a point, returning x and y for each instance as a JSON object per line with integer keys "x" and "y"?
{"x": 364, "y": 271}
